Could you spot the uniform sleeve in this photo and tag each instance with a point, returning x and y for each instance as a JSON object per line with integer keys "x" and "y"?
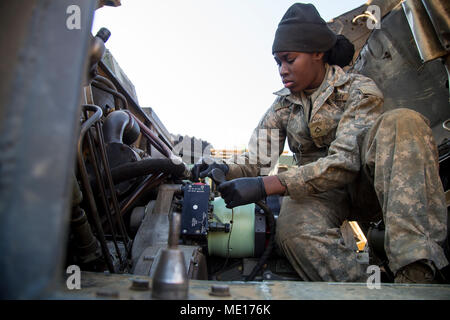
{"x": 265, "y": 146}
{"x": 343, "y": 161}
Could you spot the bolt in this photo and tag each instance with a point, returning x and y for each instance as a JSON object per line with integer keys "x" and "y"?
{"x": 220, "y": 290}
{"x": 139, "y": 284}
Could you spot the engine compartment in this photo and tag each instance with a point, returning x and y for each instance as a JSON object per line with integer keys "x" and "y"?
{"x": 128, "y": 183}
{"x": 96, "y": 181}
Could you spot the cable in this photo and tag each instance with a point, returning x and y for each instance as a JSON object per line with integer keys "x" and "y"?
{"x": 367, "y": 15}
{"x": 271, "y": 222}
{"x": 228, "y": 243}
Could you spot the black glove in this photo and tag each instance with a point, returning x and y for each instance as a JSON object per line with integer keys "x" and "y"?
{"x": 238, "y": 192}
{"x": 202, "y": 169}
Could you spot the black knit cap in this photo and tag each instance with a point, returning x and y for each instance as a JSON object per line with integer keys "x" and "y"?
{"x": 302, "y": 29}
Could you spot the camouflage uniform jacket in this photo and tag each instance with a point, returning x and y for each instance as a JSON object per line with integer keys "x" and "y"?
{"x": 327, "y": 146}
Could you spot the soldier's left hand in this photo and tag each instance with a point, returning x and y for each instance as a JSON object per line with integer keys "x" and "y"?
{"x": 241, "y": 191}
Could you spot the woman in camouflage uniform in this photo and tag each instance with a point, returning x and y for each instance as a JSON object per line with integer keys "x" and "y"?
{"x": 354, "y": 163}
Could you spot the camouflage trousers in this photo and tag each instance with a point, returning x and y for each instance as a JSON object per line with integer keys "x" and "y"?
{"x": 398, "y": 182}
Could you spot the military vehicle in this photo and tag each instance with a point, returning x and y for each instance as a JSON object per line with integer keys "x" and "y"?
{"x": 96, "y": 203}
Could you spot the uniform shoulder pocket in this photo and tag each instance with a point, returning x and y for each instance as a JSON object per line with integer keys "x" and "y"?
{"x": 369, "y": 87}
{"x": 318, "y": 129}
{"x": 372, "y": 90}
{"x": 323, "y": 132}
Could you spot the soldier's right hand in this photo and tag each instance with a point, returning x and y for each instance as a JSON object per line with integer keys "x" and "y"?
{"x": 204, "y": 167}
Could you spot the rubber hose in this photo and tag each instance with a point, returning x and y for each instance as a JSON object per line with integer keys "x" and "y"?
{"x": 271, "y": 223}
{"x": 120, "y": 127}
{"x": 144, "y": 167}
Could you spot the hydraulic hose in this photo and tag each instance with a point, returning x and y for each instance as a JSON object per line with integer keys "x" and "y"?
{"x": 120, "y": 127}
{"x": 85, "y": 178}
{"x": 271, "y": 223}
{"x": 116, "y": 94}
{"x": 157, "y": 143}
{"x": 145, "y": 167}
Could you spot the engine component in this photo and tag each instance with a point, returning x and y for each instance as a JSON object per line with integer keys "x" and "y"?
{"x": 98, "y": 45}
{"x": 236, "y": 233}
{"x": 194, "y": 261}
{"x": 170, "y": 279}
{"x": 87, "y": 246}
{"x": 98, "y": 49}
{"x": 119, "y": 130}
{"x": 194, "y": 221}
{"x": 260, "y": 231}
{"x": 240, "y": 241}
{"x": 147, "y": 166}
{"x": 119, "y": 154}
{"x": 219, "y": 226}
{"x": 271, "y": 242}
{"x": 120, "y": 127}
{"x": 85, "y": 179}
{"x": 155, "y": 226}
{"x": 136, "y": 218}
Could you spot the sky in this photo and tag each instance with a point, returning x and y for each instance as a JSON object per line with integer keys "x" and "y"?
{"x": 204, "y": 66}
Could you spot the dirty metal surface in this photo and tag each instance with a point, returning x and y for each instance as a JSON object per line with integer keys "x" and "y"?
{"x": 390, "y": 57}
{"x": 42, "y": 69}
{"x": 113, "y": 286}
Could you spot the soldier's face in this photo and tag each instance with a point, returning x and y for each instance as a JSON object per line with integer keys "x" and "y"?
{"x": 300, "y": 70}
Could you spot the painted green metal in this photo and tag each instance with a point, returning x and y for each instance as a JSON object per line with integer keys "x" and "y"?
{"x": 238, "y": 243}
{"x": 115, "y": 286}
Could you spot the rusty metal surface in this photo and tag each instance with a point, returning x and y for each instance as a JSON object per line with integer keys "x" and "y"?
{"x": 102, "y": 286}
{"x": 358, "y": 32}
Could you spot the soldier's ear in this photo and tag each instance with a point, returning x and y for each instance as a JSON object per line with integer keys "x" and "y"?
{"x": 317, "y": 56}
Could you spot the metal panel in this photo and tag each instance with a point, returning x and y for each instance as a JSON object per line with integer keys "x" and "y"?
{"x": 439, "y": 12}
{"x": 115, "y": 286}
{"x": 194, "y": 221}
{"x": 43, "y": 66}
{"x": 392, "y": 60}
{"x": 422, "y": 29}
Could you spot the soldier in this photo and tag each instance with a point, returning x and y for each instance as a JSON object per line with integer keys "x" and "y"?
{"x": 354, "y": 163}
